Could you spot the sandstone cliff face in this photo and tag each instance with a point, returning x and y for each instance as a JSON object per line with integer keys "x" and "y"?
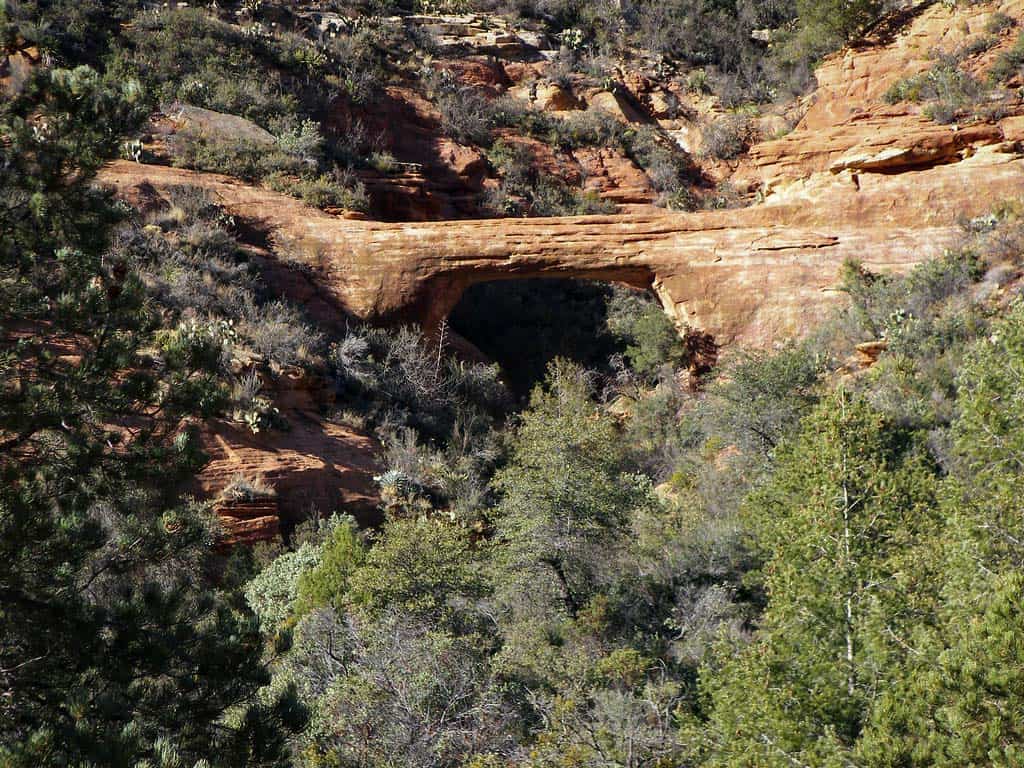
{"x": 848, "y": 125}
{"x": 751, "y": 275}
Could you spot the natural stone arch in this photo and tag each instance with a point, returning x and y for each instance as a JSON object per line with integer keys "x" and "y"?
{"x": 751, "y": 275}
{"x": 441, "y": 295}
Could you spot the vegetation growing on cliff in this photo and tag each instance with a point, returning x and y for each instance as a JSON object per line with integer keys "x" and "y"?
{"x": 117, "y": 647}
{"x": 802, "y": 561}
{"x": 304, "y": 86}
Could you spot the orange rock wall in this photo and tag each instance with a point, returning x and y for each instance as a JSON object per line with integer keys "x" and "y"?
{"x": 751, "y": 275}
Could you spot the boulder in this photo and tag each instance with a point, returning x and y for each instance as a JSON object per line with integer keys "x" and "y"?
{"x": 485, "y": 74}
{"x": 187, "y": 118}
{"x": 614, "y": 177}
{"x": 868, "y": 352}
{"x": 551, "y": 97}
{"x": 248, "y": 522}
{"x": 616, "y": 105}
{"x": 16, "y": 65}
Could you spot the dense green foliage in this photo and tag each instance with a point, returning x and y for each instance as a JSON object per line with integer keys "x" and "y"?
{"x": 841, "y": 524}
{"x": 715, "y": 35}
{"x": 797, "y": 561}
{"x": 116, "y": 646}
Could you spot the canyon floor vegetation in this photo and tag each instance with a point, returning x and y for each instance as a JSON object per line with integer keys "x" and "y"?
{"x": 592, "y": 551}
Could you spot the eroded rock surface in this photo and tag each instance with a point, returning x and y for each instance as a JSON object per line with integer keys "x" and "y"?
{"x": 751, "y": 275}
{"x": 854, "y": 178}
{"x": 315, "y": 467}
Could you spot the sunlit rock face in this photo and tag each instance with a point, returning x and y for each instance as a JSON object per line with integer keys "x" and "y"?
{"x": 750, "y": 275}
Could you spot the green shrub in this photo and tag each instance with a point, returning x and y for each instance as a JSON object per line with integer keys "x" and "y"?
{"x": 395, "y": 692}
{"x": 590, "y": 128}
{"x": 825, "y": 25}
{"x": 1008, "y": 63}
{"x": 301, "y": 140}
{"x": 725, "y": 196}
{"x": 763, "y": 396}
{"x": 243, "y": 488}
{"x": 220, "y": 68}
{"x": 358, "y": 58}
{"x": 292, "y": 165}
{"x": 525, "y": 190}
{"x": 728, "y": 137}
{"x": 200, "y": 276}
{"x": 650, "y": 337}
{"x": 327, "y": 583}
{"x": 323, "y": 191}
{"x": 423, "y": 567}
{"x": 551, "y": 197}
{"x": 947, "y": 88}
{"x": 277, "y": 332}
{"x": 272, "y": 594}
{"x": 241, "y": 158}
{"x": 881, "y": 304}
{"x": 667, "y": 165}
{"x": 384, "y": 162}
{"x": 999, "y": 22}
{"x": 399, "y": 378}
{"x": 466, "y": 115}
{"x": 977, "y": 45}
{"x": 565, "y": 506}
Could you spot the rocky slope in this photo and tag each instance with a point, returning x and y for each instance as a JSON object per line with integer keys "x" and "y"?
{"x": 848, "y": 125}
{"x": 856, "y": 177}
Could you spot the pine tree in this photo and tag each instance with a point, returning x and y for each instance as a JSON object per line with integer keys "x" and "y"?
{"x": 114, "y": 647}
{"x": 840, "y": 523}
{"x": 565, "y": 496}
{"x": 961, "y": 701}
{"x": 562, "y": 521}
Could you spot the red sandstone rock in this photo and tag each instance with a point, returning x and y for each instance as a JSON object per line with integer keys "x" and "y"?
{"x": 749, "y": 275}
{"x": 856, "y": 178}
{"x": 614, "y": 177}
{"x": 849, "y": 125}
{"x": 552, "y": 97}
{"x": 868, "y": 352}
{"x": 853, "y": 81}
{"x": 486, "y": 74}
{"x": 16, "y": 65}
{"x": 889, "y": 140}
{"x": 247, "y": 522}
{"x": 617, "y": 105}
{"x": 314, "y": 466}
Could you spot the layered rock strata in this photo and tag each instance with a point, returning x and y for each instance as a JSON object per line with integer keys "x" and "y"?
{"x": 750, "y": 275}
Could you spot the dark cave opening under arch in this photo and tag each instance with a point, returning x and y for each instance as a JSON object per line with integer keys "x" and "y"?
{"x": 524, "y": 324}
